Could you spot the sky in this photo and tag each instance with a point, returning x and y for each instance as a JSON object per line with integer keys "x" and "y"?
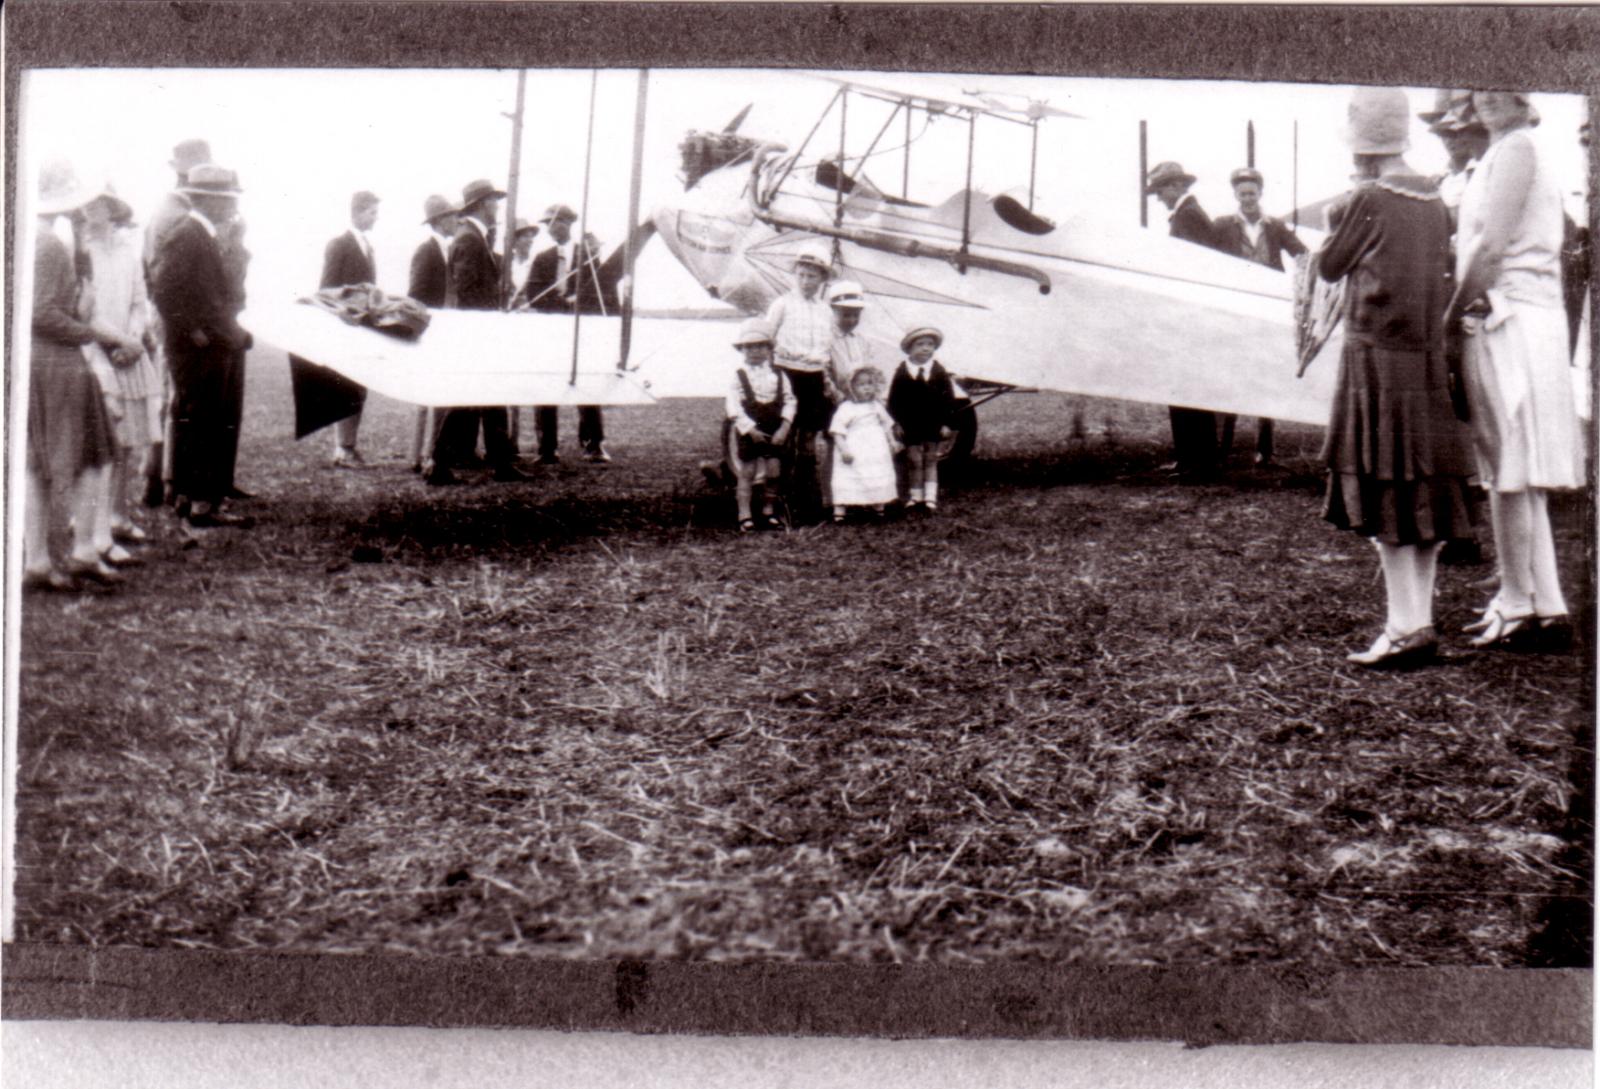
{"x": 304, "y": 140}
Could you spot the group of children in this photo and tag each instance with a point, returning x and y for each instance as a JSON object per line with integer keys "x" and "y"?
{"x": 815, "y": 384}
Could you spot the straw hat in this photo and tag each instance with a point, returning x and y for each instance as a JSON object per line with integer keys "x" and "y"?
{"x": 817, "y": 256}
{"x": 59, "y": 189}
{"x": 210, "y": 180}
{"x": 1166, "y": 173}
{"x": 436, "y": 207}
{"x": 847, "y": 295}
{"x": 1379, "y": 121}
{"x": 754, "y": 331}
{"x": 921, "y": 331}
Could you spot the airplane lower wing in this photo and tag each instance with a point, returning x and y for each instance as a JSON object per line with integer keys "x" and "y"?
{"x": 481, "y": 357}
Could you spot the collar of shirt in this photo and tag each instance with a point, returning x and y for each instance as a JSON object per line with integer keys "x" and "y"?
{"x": 919, "y": 371}
{"x": 478, "y": 225}
{"x": 1187, "y": 198}
{"x": 362, "y": 240}
{"x": 199, "y": 217}
{"x": 442, "y": 242}
{"x": 1252, "y": 228}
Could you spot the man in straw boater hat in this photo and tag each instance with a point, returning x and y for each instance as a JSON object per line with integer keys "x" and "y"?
{"x": 474, "y": 284}
{"x": 174, "y": 206}
{"x": 191, "y": 292}
{"x": 559, "y": 281}
{"x": 1254, "y": 236}
{"x": 429, "y": 285}
{"x": 1194, "y": 431}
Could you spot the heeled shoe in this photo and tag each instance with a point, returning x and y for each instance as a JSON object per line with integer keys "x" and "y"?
{"x": 1499, "y": 630}
{"x": 1407, "y": 652}
{"x": 1553, "y": 634}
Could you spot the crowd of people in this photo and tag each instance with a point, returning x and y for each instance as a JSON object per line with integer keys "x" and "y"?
{"x": 1461, "y": 301}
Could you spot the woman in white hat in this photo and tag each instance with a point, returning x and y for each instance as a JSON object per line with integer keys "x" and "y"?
{"x": 1525, "y": 427}
{"x": 70, "y": 441}
{"x": 1398, "y": 457}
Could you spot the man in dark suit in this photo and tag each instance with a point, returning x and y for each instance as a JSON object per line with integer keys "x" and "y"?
{"x": 474, "y": 284}
{"x": 1194, "y": 432}
{"x": 190, "y": 288}
{"x": 348, "y": 259}
{"x": 1264, "y": 239}
{"x": 429, "y": 283}
{"x": 563, "y": 279}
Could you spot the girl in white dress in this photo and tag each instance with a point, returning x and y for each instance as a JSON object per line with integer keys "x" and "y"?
{"x": 863, "y": 448}
{"x": 1509, "y": 304}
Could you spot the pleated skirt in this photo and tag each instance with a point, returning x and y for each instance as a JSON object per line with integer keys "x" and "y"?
{"x": 1399, "y": 460}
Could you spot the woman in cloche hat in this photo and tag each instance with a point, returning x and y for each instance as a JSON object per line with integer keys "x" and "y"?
{"x": 1524, "y": 419}
{"x": 1398, "y": 457}
{"x": 70, "y": 441}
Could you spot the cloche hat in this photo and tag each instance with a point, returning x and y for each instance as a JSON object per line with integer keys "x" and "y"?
{"x": 1379, "y": 121}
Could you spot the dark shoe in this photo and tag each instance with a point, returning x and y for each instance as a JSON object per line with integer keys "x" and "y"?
{"x": 440, "y": 478}
{"x": 552, "y": 458}
{"x": 97, "y": 572}
{"x": 51, "y": 582}
{"x": 1408, "y": 652}
{"x": 1553, "y": 634}
{"x": 510, "y": 474}
{"x": 202, "y": 517}
{"x": 236, "y": 492}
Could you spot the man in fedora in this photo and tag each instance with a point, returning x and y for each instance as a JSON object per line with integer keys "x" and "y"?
{"x": 429, "y": 285}
{"x": 1194, "y": 432}
{"x": 474, "y": 284}
{"x": 1254, "y": 236}
{"x": 191, "y": 293}
{"x": 563, "y": 279}
{"x": 173, "y": 208}
{"x": 348, "y": 259}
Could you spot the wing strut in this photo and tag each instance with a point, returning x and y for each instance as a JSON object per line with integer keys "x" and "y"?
{"x": 632, "y": 253}
{"x": 580, "y": 246}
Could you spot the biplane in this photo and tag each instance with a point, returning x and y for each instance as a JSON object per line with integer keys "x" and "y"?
{"x": 1085, "y": 303}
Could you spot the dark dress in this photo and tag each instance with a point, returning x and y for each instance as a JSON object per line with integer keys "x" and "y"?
{"x": 68, "y": 428}
{"x": 1398, "y": 457}
{"x": 1194, "y": 430}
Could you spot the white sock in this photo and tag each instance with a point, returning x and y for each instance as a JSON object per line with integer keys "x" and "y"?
{"x": 930, "y": 490}
{"x": 913, "y": 495}
{"x": 1398, "y": 574}
{"x": 1514, "y": 540}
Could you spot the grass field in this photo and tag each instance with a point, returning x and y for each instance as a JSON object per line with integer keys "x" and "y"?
{"x": 1085, "y": 714}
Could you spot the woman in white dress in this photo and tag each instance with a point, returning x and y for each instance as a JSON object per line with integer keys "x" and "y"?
{"x": 1508, "y": 302}
{"x": 126, "y": 380}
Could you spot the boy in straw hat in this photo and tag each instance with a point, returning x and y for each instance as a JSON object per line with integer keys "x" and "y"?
{"x": 923, "y": 400}
{"x": 803, "y": 326}
{"x": 760, "y": 411}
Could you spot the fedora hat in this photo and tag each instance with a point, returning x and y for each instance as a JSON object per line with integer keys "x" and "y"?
{"x": 437, "y": 207}
{"x": 921, "y": 331}
{"x": 1378, "y": 121}
{"x": 1246, "y": 174}
{"x": 1460, "y": 117}
{"x": 210, "y": 180}
{"x": 59, "y": 189}
{"x": 189, "y": 154}
{"x": 475, "y": 192}
{"x": 524, "y": 227}
{"x": 558, "y": 211}
{"x": 754, "y": 331}
{"x": 847, "y": 295}
{"x": 1166, "y": 173}
{"x": 1444, "y": 101}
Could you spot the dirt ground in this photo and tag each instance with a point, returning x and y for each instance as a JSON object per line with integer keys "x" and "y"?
{"x": 1086, "y": 713}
